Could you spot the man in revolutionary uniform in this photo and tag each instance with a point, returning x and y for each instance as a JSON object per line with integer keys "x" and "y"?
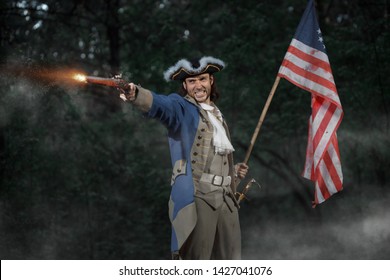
{"x": 202, "y": 207}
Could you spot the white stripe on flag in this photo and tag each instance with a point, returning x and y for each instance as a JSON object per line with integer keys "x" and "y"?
{"x": 326, "y": 134}
{"x": 334, "y": 155}
{"x": 310, "y": 85}
{"x": 328, "y": 181}
{"x": 307, "y": 66}
{"x": 310, "y": 51}
{"x": 309, "y": 154}
{"x": 318, "y": 194}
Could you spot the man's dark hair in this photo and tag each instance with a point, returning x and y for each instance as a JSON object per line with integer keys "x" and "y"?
{"x": 214, "y": 95}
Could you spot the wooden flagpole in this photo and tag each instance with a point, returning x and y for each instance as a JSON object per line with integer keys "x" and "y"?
{"x": 261, "y": 119}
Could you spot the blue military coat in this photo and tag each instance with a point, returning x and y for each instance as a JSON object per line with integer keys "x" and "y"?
{"x": 190, "y": 133}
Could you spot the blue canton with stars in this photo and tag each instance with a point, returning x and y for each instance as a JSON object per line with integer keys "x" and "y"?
{"x": 308, "y": 31}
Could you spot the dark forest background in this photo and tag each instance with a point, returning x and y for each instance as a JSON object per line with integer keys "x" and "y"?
{"x": 85, "y": 176}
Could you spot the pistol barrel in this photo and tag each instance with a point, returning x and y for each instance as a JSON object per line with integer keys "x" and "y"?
{"x": 101, "y": 81}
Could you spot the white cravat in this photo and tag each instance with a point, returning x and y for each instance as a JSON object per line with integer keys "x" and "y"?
{"x": 220, "y": 140}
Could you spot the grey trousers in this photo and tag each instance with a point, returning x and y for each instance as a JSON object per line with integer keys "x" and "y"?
{"x": 217, "y": 234}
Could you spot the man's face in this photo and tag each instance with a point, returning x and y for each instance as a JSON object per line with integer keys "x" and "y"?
{"x": 199, "y": 87}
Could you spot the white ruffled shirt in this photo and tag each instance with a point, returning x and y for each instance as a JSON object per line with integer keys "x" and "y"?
{"x": 220, "y": 140}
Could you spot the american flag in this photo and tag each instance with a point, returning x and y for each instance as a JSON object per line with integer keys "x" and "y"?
{"x": 306, "y": 65}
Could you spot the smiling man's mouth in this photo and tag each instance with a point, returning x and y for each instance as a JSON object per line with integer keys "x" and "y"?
{"x": 200, "y": 93}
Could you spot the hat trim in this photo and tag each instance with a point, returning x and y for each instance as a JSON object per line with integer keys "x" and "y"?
{"x": 192, "y": 73}
{"x": 185, "y": 65}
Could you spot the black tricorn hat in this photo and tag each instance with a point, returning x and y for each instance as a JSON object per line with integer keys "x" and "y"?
{"x": 187, "y": 68}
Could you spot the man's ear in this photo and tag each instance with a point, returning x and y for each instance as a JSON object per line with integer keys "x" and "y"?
{"x": 184, "y": 85}
{"x": 211, "y": 79}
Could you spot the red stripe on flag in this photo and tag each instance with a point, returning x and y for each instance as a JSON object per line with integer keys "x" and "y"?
{"x": 332, "y": 171}
{"x": 309, "y": 75}
{"x": 304, "y": 87}
{"x": 322, "y": 129}
{"x": 321, "y": 184}
{"x": 316, "y": 62}
{"x": 317, "y": 102}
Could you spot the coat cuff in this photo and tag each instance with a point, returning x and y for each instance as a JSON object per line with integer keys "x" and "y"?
{"x": 144, "y": 99}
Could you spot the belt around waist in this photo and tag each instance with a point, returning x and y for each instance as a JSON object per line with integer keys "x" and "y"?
{"x": 216, "y": 180}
